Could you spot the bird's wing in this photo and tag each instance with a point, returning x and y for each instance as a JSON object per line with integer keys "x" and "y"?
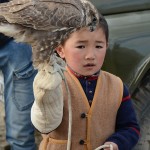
{"x": 44, "y": 23}
{"x": 43, "y": 14}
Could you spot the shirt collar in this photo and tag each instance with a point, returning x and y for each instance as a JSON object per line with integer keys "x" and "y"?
{"x": 79, "y": 76}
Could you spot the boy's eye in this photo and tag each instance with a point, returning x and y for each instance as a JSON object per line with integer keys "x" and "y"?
{"x": 81, "y": 46}
{"x": 99, "y": 46}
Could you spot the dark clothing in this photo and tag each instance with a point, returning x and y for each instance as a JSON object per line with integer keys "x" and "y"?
{"x": 4, "y": 39}
{"x": 3, "y": 1}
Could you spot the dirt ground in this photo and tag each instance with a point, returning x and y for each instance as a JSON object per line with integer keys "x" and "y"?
{"x": 3, "y": 144}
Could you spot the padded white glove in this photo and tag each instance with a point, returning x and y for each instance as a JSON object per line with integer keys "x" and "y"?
{"x": 47, "y": 110}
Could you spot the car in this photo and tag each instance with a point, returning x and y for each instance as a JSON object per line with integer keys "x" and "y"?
{"x": 128, "y": 55}
{"x": 1, "y": 87}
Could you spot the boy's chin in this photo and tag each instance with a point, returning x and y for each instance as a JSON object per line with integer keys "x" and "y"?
{"x": 91, "y": 73}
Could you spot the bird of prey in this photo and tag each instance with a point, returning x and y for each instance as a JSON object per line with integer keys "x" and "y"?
{"x": 44, "y": 24}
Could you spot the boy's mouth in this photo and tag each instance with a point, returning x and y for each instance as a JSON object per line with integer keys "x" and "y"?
{"x": 89, "y": 65}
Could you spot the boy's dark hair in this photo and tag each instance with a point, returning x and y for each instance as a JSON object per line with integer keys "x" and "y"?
{"x": 104, "y": 25}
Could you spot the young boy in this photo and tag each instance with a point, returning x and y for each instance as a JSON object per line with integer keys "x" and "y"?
{"x": 102, "y": 111}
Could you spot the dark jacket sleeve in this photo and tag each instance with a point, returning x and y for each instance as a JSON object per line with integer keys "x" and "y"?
{"x": 4, "y": 39}
{"x": 127, "y": 127}
{"x": 3, "y": 1}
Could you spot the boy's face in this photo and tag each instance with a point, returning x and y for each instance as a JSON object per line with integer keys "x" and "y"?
{"x": 84, "y": 51}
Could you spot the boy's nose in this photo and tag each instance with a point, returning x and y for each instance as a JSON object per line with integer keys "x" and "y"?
{"x": 90, "y": 55}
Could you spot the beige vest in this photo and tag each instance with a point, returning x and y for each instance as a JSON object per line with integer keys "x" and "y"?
{"x": 90, "y": 132}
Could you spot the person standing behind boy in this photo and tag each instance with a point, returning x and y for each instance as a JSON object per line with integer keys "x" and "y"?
{"x": 18, "y": 72}
{"x": 102, "y": 111}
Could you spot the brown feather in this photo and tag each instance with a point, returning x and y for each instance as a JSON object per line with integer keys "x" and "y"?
{"x": 45, "y": 23}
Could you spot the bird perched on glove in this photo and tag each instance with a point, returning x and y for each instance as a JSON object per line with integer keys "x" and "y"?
{"x": 44, "y": 24}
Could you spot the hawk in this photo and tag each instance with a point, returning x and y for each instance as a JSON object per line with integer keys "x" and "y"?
{"x": 44, "y": 24}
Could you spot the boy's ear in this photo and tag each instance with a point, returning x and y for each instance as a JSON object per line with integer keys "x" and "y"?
{"x": 107, "y": 45}
{"x": 60, "y": 51}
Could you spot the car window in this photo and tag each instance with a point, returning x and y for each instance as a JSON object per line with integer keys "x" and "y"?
{"x": 129, "y": 44}
{"x": 120, "y": 6}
